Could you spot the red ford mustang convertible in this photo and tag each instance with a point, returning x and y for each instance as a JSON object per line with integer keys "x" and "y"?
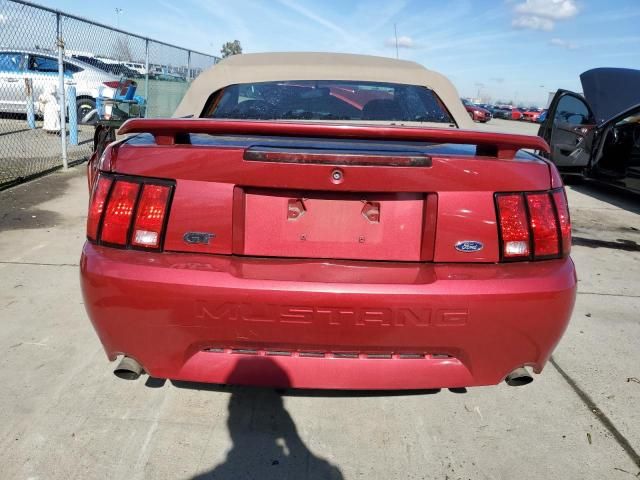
{"x": 326, "y": 221}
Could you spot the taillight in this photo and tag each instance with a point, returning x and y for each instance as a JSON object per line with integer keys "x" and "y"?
{"x": 117, "y": 217}
{"x": 534, "y": 225}
{"x": 514, "y": 226}
{"x": 150, "y": 216}
{"x": 96, "y": 206}
{"x": 560, "y": 201}
{"x": 544, "y": 225}
{"x": 128, "y": 212}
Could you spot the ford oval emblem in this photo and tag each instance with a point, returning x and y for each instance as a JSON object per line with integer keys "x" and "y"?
{"x": 469, "y": 246}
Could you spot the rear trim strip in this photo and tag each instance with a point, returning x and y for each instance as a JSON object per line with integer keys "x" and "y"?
{"x": 336, "y": 157}
{"x": 355, "y": 355}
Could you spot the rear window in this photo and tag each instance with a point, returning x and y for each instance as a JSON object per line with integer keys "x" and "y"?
{"x": 327, "y": 100}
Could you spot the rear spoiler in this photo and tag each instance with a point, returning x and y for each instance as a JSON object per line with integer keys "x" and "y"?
{"x": 500, "y": 145}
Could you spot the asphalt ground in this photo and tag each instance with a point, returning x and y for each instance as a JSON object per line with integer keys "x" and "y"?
{"x": 64, "y": 415}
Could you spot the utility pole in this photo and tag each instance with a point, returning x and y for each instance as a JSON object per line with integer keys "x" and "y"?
{"x": 118, "y": 12}
{"x": 395, "y": 31}
{"x": 61, "y": 92}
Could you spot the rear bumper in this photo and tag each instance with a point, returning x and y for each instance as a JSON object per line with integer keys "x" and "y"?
{"x": 325, "y": 324}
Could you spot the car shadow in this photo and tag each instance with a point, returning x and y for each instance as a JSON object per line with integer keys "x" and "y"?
{"x": 295, "y": 392}
{"x": 266, "y": 443}
{"x": 20, "y": 206}
{"x": 606, "y": 193}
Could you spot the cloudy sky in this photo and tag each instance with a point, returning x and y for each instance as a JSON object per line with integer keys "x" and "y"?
{"x": 506, "y": 49}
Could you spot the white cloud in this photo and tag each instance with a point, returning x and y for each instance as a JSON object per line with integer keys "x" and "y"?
{"x": 542, "y": 14}
{"x": 552, "y": 9}
{"x": 403, "y": 42}
{"x": 559, "y": 42}
{"x": 533, "y": 23}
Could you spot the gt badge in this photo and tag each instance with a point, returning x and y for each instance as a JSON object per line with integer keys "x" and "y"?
{"x": 198, "y": 238}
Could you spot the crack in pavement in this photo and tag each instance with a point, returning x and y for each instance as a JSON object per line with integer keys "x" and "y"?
{"x": 38, "y": 264}
{"x": 599, "y": 414}
{"x": 625, "y": 295}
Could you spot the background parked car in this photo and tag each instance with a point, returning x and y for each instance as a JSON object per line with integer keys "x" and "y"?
{"x": 160, "y": 72}
{"x": 508, "y": 113}
{"x": 118, "y": 69}
{"x": 531, "y": 114}
{"x": 138, "y": 67}
{"x": 478, "y": 114}
{"x": 501, "y": 112}
{"x": 42, "y": 68}
{"x": 486, "y": 106}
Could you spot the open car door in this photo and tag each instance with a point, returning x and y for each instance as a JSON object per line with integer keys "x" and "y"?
{"x": 569, "y": 129}
{"x": 616, "y": 154}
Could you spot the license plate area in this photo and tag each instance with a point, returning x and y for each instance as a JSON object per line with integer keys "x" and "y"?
{"x": 361, "y": 226}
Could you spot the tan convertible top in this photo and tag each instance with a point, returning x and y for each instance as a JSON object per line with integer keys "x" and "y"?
{"x": 265, "y": 67}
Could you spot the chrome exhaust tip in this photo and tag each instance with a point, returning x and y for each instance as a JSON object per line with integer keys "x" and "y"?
{"x": 128, "y": 369}
{"x": 517, "y": 378}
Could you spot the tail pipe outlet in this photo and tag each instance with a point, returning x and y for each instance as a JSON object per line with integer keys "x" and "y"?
{"x": 519, "y": 377}
{"x": 128, "y": 369}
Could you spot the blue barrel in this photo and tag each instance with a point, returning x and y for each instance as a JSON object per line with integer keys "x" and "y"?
{"x": 73, "y": 115}
{"x": 100, "y": 103}
{"x": 131, "y": 91}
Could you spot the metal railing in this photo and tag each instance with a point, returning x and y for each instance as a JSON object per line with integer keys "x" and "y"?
{"x": 55, "y": 70}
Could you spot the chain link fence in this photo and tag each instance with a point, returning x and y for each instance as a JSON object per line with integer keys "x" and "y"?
{"x": 52, "y": 61}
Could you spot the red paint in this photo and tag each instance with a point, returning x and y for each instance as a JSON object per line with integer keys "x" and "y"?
{"x": 151, "y": 212}
{"x": 466, "y": 216}
{"x": 533, "y": 225}
{"x": 543, "y": 225}
{"x": 257, "y": 295}
{"x": 562, "y": 208}
{"x": 119, "y": 212}
{"x": 514, "y": 226}
{"x": 556, "y": 179}
{"x": 226, "y": 165}
{"x": 200, "y": 207}
{"x": 96, "y": 206}
{"x": 166, "y": 130}
{"x": 333, "y": 226}
{"x": 430, "y": 222}
{"x": 531, "y": 115}
{"x": 164, "y": 309}
{"x": 478, "y": 114}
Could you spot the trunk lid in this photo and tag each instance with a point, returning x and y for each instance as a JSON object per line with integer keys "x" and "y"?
{"x": 331, "y": 191}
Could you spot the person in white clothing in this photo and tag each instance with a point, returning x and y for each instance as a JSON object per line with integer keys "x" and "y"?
{"x": 51, "y": 109}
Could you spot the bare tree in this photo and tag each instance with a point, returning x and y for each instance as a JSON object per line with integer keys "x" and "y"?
{"x": 231, "y": 48}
